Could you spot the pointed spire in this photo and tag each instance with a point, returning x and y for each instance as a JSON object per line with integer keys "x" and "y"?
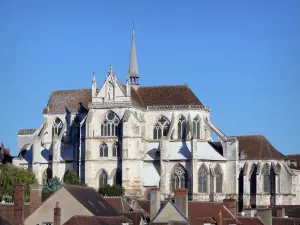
{"x": 133, "y": 73}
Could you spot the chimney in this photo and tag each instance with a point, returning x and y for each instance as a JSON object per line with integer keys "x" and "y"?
{"x": 19, "y": 191}
{"x": 181, "y": 200}
{"x": 35, "y": 197}
{"x": 154, "y": 202}
{"x": 264, "y": 215}
{"x": 281, "y": 212}
{"x": 220, "y": 216}
{"x": 57, "y": 211}
{"x": 231, "y": 205}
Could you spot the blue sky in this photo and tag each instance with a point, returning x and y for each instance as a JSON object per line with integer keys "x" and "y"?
{"x": 241, "y": 58}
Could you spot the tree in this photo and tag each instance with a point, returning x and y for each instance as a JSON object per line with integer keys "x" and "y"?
{"x": 114, "y": 190}
{"x": 11, "y": 175}
{"x": 71, "y": 178}
{"x": 50, "y": 187}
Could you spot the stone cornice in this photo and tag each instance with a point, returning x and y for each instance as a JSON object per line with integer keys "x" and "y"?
{"x": 105, "y": 105}
{"x": 178, "y": 107}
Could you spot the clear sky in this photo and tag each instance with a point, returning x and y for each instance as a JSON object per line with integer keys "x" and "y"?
{"x": 241, "y": 58}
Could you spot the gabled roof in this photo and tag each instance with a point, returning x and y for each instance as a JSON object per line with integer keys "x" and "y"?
{"x": 258, "y": 147}
{"x": 97, "y": 220}
{"x": 91, "y": 200}
{"x": 135, "y": 217}
{"x": 250, "y": 221}
{"x": 75, "y": 100}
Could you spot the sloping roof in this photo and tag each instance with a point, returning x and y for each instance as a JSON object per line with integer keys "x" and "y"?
{"x": 283, "y": 221}
{"x": 4, "y": 221}
{"x": 168, "y": 95}
{"x": 91, "y": 200}
{"x": 26, "y": 131}
{"x": 135, "y": 217}
{"x": 97, "y": 220}
{"x": 118, "y": 203}
{"x": 250, "y": 221}
{"x": 258, "y": 147}
{"x": 290, "y": 210}
{"x": 78, "y": 99}
{"x": 145, "y": 205}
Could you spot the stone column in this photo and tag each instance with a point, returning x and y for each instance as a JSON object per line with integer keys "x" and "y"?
{"x": 163, "y": 146}
{"x": 194, "y": 164}
{"x": 246, "y": 196}
{"x": 56, "y": 143}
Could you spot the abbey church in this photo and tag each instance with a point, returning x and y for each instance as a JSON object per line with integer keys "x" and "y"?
{"x": 144, "y": 136}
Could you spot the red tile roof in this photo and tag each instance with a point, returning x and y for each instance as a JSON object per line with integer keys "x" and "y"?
{"x": 250, "y": 221}
{"x": 97, "y": 220}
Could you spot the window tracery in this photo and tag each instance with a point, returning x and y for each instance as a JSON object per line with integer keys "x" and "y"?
{"x": 103, "y": 150}
{"x": 178, "y": 178}
{"x": 219, "y": 179}
{"x": 202, "y": 179}
{"x": 196, "y": 127}
{"x": 182, "y": 127}
{"x": 57, "y": 126}
{"x": 110, "y": 126}
{"x": 161, "y": 128}
{"x": 116, "y": 150}
{"x": 267, "y": 178}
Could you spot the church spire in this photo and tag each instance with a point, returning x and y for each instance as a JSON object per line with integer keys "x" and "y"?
{"x": 133, "y": 73}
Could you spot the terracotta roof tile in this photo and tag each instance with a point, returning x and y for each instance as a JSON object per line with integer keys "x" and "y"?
{"x": 78, "y": 99}
{"x": 97, "y": 220}
{"x": 168, "y": 95}
{"x": 258, "y": 147}
{"x": 282, "y": 221}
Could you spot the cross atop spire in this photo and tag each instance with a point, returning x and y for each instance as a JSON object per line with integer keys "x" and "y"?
{"x": 133, "y": 73}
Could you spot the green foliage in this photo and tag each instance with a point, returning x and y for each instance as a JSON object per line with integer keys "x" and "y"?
{"x": 50, "y": 187}
{"x": 71, "y": 178}
{"x": 11, "y": 175}
{"x": 114, "y": 190}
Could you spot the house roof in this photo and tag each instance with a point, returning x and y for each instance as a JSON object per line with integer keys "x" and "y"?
{"x": 258, "y": 147}
{"x": 4, "y": 221}
{"x": 118, "y": 203}
{"x": 294, "y": 158}
{"x": 91, "y": 200}
{"x": 26, "y": 131}
{"x": 250, "y": 221}
{"x": 135, "y": 217}
{"x": 283, "y": 221}
{"x": 97, "y": 220}
{"x": 292, "y": 211}
{"x": 78, "y": 99}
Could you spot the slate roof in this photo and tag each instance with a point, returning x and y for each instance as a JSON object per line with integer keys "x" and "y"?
{"x": 119, "y": 204}
{"x": 97, "y": 220}
{"x": 284, "y": 221}
{"x": 258, "y": 147}
{"x": 26, "y": 131}
{"x": 73, "y": 100}
{"x": 135, "y": 217}
{"x": 91, "y": 200}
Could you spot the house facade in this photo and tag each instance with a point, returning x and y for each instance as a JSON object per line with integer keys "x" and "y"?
{"x": 145, "y": 136}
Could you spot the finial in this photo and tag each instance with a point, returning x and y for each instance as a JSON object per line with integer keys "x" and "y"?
{"x": 133, "y": 25}
{"x": 94, "y": 76}
{"x": 110, "y": 68}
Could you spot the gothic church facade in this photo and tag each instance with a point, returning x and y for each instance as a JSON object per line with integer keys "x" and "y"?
{"x": 144, "y": 136}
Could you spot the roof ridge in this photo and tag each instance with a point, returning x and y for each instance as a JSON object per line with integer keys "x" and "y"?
{"x": 75, "y": 89}
{"x": 165, "y": 85}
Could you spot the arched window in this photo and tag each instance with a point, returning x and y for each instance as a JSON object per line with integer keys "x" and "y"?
{"x": 161, "y": 128}
{"x": 103, "y": 150}
{"x": 102, "y": 179}
{"x": 202, "y": 179}
{"x": 117, "y": 177}
{"x": 182, "y": 127}
{"x": 266, "y": 178}
{"x": 47, "y": 175}
{"x": 110, "y": 126}
{"x": 178, "y": 178}
{"x": 116, "y": 150}
{"x": 196, "y": 127}
{"x": 219, "y": 179}
{"x": 57, "y": 126}
{"x": 278, "y": 167}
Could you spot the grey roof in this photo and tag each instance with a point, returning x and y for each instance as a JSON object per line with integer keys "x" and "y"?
{"x": 26, "y": 131}
{"x": 91, "y": 200}
{"x": 133, "y": 66}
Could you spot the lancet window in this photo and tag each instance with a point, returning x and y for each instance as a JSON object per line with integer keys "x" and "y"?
{"x": 110, "y": 126}
{"x": 161, "y": 128}
{"x": 196, "y": 127}
{"x": 102, "y": 179}
{"x": 116, "y": 150}
{"x": 202, "y": 179}
{"x": 219, "y": 179}
{"x": 266, "y": 178}
{"x": 178, "y": 178}
{"x": 103, "y": 150}
{"x": 57, "y": 126}
{"x": 182, "y": 127}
